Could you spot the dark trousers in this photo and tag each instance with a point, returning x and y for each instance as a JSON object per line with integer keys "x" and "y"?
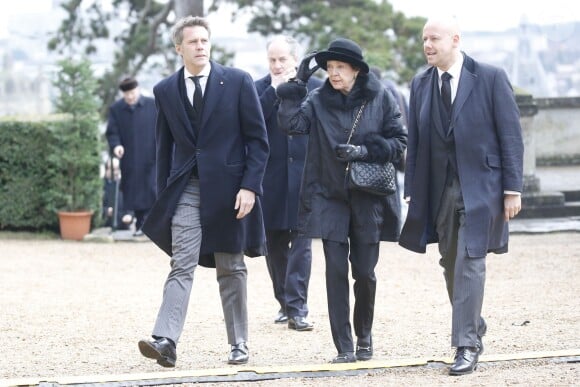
{"x": 363, "y": 258}
{"x": 289, "y": 263}
{"x": 464, "y": 275}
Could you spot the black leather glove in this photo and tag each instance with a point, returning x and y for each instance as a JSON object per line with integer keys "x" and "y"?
{"x": 291, "y": 90}
{"x": 295, "y": 88}
{"x": 349, "y": 152}
{"x": 304, "y": 71}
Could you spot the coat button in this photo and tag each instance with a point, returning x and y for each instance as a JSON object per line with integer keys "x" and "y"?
{"x": 290, "y": 159}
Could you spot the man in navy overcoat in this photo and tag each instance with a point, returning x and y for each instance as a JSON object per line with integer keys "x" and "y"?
{"x": 212, "y": 151}
{"x": 463, "y": 175}
{"x": 289, "y": 257}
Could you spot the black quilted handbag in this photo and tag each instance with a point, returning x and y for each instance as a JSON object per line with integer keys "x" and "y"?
{"x": 374, "y": 178}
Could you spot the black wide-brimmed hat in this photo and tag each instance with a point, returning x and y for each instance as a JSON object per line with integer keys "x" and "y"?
{"x": 343, "y": 50}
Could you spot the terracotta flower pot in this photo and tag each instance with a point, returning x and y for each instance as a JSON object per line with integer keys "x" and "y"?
{"x": 74, "y": 225}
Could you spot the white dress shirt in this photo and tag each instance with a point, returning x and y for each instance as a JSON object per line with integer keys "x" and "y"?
{"x": 455, "y": 72}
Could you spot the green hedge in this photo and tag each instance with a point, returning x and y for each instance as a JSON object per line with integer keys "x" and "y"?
{"x": 32, "y": 156}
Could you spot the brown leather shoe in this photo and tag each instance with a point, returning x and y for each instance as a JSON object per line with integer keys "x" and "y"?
{"x": 239, "y": 354}
{"x": 162, "y": 349}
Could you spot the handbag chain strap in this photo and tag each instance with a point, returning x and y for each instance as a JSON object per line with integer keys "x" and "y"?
{"x": 355, "y": 123}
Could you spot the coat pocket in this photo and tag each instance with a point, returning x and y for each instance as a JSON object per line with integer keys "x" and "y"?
{"x": 493, "y": 161}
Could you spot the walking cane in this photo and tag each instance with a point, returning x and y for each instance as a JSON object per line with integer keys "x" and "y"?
{"x": 115, "y": 224}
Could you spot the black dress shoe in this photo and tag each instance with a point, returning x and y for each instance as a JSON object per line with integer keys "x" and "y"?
{"x": 345, "y": 357}
{"x": 364, "y": 349}
{"x": 465, "y": 361}
{"x": 162, "y": 350}
{"x": 281, "y": 318}
{"x": 239, "y": 354}
{"x": 300, "y": 324}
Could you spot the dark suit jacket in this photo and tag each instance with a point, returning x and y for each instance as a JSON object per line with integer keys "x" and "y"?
{"x": 230, "y": 152}
{"x": 285, "y": 164}
{"x": 489, "y": 151}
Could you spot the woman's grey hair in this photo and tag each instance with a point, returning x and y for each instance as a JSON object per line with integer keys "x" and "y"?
{"x": 292, "y": 44}
{"x": 187, "y": 21}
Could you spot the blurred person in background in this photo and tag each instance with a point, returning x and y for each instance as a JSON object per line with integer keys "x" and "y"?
{"x": 131, "y": 137}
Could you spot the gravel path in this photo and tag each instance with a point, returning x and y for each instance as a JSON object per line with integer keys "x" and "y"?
{"x": 79, "y": 308}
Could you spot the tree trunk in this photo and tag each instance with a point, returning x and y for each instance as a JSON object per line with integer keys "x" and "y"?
{"x": 188, "y": 7}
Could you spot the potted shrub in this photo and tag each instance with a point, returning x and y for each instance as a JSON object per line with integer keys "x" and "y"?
{"x": 75, "y": 159}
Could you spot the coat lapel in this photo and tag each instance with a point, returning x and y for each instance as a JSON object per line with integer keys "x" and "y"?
{"x": 214, "y": 91}
{"x": 173, "y": 96}
{"x": 465, "y": 87}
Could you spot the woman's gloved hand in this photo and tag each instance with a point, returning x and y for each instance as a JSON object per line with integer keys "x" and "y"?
{"x": 304, "y": 71}
{"x": 291, "y": 90}
{"x": 349, "y": 152}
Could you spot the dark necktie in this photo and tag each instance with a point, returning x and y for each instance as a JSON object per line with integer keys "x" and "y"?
{"x": 197, "y": 95}
{"x": 446, "y": 91}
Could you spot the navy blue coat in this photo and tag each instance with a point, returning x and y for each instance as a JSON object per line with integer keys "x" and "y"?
{"x": 134, "y": 129}
{"x": 230, "y": 151}
{"x": 285, "y": 164}
{"x": 489, "y": 151}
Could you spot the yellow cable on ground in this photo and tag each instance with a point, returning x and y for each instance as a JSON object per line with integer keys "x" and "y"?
{"x": 296, "y": 370}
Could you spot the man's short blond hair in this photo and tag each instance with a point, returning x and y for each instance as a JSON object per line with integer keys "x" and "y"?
{"x": 187, "y": 21}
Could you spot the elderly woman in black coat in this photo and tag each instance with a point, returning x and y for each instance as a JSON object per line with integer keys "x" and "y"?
{"x": 351, "y": 223}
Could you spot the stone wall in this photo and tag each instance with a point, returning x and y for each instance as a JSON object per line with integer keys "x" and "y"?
{"x": 556, "y": 130}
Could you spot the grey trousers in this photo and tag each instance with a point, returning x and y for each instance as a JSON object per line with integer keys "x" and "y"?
{"x": 231, "y": 275}
{"x": 464, "y": 275}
